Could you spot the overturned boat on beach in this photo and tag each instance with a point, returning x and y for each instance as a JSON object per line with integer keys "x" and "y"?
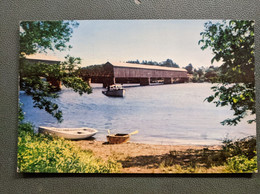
{"x": 69, "y": 133}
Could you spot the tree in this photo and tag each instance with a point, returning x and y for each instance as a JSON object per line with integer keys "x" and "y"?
{"x": 135, "y": 62}
{"x": 38, "y": 36}
{"x": 152, "y": 63}
{"x": 35, "y": 79}
{"x": 211, "y": 73}
{"x": 232, "y": 42}
{"x": 200, "y": 72}
{"x": 170, "y": 63}
{"x": 189, "y": 68}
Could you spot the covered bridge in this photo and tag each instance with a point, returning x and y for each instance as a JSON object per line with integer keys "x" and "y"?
{"x": 111, "y": 73}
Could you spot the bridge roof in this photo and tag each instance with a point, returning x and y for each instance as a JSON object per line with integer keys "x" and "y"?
{"x": 141, "y": 66}
{"x": 42, "y": 60}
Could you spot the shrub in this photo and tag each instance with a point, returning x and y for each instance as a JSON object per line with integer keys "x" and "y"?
{"x": 40, "y": 153}
{"x": 20, "y": 112}
{"x": 235, "y": 156}
{"x": 241, "y": 163}
{"x": 240, "y": 155}
{"x": 245, "y": 146}
{"x": 25, "y": 127}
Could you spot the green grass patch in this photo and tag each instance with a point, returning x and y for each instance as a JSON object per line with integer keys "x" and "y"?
{"x": 177, "y": 168}
{"x": 46, "y": 154}
{"x": 234, "y": 157}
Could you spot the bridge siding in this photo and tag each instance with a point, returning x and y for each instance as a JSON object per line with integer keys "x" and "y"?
{"x": 145, "y": 73}
{"x": 115, "y": 74}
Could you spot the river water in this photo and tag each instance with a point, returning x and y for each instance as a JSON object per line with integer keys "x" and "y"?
{"x": 163, "y": 114}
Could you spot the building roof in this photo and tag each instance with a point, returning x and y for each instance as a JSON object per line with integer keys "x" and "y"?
{"x": 142, "y": 66}
{"x": 42, "y": 60}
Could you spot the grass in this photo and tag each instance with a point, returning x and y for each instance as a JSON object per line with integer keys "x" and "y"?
{"x": 41, "y": 153}
{"x": 234, "y": 157}
{"x": 46, "y": 154}
{"x": 190, "y": 169}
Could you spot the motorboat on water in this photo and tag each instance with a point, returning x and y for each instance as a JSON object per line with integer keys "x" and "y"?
{"x": 114, "y": 91}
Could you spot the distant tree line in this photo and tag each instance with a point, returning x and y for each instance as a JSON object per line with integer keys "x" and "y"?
{"x": 97, "y": 70}
{"x": 167, "y": 63}
{"x": 203, "y": 74}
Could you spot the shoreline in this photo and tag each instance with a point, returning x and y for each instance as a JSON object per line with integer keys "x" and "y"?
{"x": 173, "y": 144}
{"x": 139, "y": 157}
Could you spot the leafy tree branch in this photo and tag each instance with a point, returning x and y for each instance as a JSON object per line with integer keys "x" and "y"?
{"x": 232, "y": 43}
{"x": 35, "y": 80}
{"x": 41, "y": 80}
{"x": 38, "y": 36}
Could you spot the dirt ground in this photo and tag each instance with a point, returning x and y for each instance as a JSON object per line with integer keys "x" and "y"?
{"x": 137, "y": 157}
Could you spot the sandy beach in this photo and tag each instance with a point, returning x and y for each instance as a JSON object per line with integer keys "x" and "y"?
{"x": 141, "y": 158}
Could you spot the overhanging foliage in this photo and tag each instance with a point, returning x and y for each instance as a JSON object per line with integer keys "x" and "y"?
{"x": 232, "y": 42}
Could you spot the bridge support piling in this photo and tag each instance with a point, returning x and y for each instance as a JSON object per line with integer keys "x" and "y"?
{"x": 56, "y": 84}
{"x": 88, "y": 81}
{"x": 145, "y": 81}
{"x": 167, "y": 80}
{"x": 108, "y": 81}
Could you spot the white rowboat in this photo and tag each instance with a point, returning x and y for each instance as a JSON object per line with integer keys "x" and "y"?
{"x": 69, "y": 133}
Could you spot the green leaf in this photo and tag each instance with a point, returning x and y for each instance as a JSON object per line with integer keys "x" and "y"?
{"x": 210, "y": 98}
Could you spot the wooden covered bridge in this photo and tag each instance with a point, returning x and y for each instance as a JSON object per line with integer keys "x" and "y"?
{"x": 112, "y": 73}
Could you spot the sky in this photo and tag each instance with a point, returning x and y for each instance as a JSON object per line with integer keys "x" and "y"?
{"x": 99, "y": 41}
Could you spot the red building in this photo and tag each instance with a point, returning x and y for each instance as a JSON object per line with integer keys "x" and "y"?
{"x": 111, "y": 73}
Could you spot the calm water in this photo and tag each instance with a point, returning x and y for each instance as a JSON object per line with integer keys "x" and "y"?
{"x": 163, "y": 114}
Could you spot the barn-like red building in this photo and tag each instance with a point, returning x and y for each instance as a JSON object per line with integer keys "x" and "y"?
{"x": 111, "y": 73}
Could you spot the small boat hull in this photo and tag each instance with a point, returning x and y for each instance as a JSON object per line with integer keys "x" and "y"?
{"x": 115, "y": 93}
{"x": 118, "y": 138}
{"x": 69, "y": 133}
